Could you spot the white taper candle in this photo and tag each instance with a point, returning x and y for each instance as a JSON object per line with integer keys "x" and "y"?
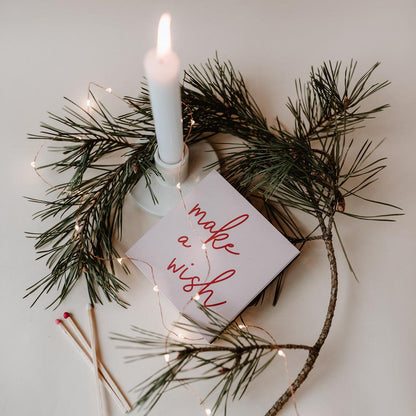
{"x": 162, "y": 71}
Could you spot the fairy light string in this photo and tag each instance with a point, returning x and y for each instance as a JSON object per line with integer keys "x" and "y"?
{"x": 282, "y": 354}
{"x": 195, "y": 297}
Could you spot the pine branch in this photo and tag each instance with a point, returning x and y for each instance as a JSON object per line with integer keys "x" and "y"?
{"x": 314, "y": 168}
{"x": 88, "y": 207}
{"x": 311, "y": 168}
{"x": 275, "y": 163}
{"x": 240, "y": 357}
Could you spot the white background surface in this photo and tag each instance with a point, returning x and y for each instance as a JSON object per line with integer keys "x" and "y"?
{"x": 51, "y": 49}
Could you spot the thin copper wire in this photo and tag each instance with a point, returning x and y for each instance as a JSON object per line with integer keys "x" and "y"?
{"x": 43, "y": 179}
{"x": 183, "y": 199}
{"x": 184, "y": 384}
{"x": 78, "y": 230}
{"x": 292, "y": 392}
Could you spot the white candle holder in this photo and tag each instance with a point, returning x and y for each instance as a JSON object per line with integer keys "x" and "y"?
{"x": 192, "y": 169}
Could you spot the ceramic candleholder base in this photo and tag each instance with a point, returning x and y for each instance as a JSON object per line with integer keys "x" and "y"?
{"x": 192, "y": 169}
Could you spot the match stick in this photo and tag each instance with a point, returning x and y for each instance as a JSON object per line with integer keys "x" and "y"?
{"x": 86, "y": 356}
{"x": 118, "y": 394}
{"x": 91, "y": 318}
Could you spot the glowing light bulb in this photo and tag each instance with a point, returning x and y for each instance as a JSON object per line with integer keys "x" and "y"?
{"x": 77, "y": 228}
{"x": 120, "y": 260}
{"x": 192, "y": 122}
{"x": 109, "y": 90}
{"x": 156, "y": 288}
{"x": 164, "y": 42}
{"x": 181, "y": 336}
{"x": 33, "y": 164}
{"x": 208, "y": 411}
{"x": 196, "y": 297}
{"x": 203, "y": 247}
{"x": 167, "y": 357}
{"x": 241, "y": 326}
{"x": 281, "y": 353}
{"x": 88, "y": 103}
{"x": 178, "y": 185}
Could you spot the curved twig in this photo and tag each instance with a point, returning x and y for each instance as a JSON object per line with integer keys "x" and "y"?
{"x": 314, "y": 351}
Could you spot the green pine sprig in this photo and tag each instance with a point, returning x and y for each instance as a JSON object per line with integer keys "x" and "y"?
{"x": 237, "y": 358}
{"x": 313, "y": 167}
{"x": 87, "y": 208}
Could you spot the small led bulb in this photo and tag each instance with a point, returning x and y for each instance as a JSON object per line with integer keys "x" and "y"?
{"x": 77, "y": 228}
{"x": 203, "y": 247}
{"x": 88, "y": 103}
{"x": 156, "y": 288}
{"x": 33, "y": 164}
{"x": 181, "y": 336}
{"x": 208, "y": 411}
{"x": 192, "y": 122}
{"x": 178, "y": 185}
{"x": 167, "y": 357}
{"x": 120, "y": 260}
{"x": 241, "y": 326}
{"x": 196, "y": 297}
{"x": 109, "y": 90}
{"x": 281, "y": 353}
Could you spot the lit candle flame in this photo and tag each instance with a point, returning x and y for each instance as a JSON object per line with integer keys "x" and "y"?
{"x": 164, "y": 43}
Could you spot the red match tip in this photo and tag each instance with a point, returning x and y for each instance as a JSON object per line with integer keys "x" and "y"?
{"x": 67, "y": 315}
{"x": 57, "y": 321}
